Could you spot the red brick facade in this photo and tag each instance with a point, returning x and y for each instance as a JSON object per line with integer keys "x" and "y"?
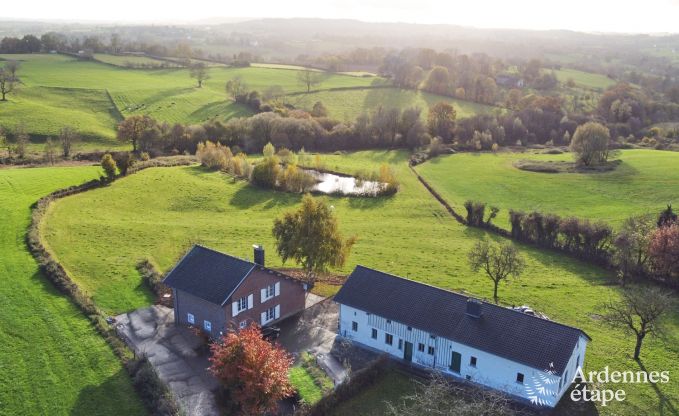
{"x": 291, "y": 297}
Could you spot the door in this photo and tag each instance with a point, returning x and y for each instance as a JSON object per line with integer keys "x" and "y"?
{"x": 408, "y": 352}
{"x": 455, "y": 361}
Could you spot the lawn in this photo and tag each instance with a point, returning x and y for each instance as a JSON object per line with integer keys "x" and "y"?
{"x": 349, "y": 104}
{"x": 373, "y": 400}
{"x": 645, "y": 182}
{"x": 590, "y": 80}
{"x": 52, "y": 360}
{"x": 304, "y": 384}
{"x": 125, "y": 60}
{"x": 158, "y": 213}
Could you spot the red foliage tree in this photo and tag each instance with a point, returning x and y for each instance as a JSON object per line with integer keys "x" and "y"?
{"x": 664, "y": 250}
{"x": 254, "y": 371}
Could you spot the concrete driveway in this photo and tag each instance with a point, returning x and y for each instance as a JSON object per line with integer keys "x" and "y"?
{"x": 172, "y": 352}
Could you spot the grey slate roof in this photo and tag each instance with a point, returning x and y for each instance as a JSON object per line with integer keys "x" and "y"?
{"x": 208, "y": 274}
{"x": 500, "y": 331}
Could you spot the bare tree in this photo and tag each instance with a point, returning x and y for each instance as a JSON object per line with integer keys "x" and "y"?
{"x": 639, "y": 312}
{"x": 440, "y": 397}
{"x": 67, "y": 138}
{"x": 309, "y": 78}
{"x": 50, "y": 152}
{"x": 631, "y": 246}
{"x": 499, "y": 261}
{"x": 22, "y": 139}
{"x": 8, "y": 79}
{"x": 199, "y": 71}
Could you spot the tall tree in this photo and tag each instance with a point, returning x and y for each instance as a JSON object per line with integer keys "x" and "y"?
{"x": 67, "y": 138}
{"x": 590, "y": 143}
{"x": 109, "y": 166}
{"x": 310, "y": 235}
{"x": 236, "y": 87}
{"x": 631, "y": 246}
{"x": 309, "y": 78}
{"x": 441, "y": 121}
{"x": 664, "y": 250}
{"x": 132, "y": 129}
{"x": 639, "y": 312}
{"x": 8, "y": 79}
{"x": 254, "y": 371}
{"x": 199, "y": 71}
{"x": 50, "y": 151}
{"x": 498, "y": 261}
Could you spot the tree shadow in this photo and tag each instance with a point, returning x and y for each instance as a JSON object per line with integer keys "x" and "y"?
{"x": 113, "y": 396}
{"x": 665, "y": 403}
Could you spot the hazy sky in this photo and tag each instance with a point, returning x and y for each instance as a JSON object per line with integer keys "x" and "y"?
{"x": 584, "y": 15}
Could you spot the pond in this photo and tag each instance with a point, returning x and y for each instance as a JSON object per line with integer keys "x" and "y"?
{"x": 330, "y": 183}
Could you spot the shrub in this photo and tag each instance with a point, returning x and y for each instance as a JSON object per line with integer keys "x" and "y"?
{"x": 266, "y": 173}
{"x": 590, "y": 143}
{"x": 214, "y": 156}
{"x": 109, "y": 166}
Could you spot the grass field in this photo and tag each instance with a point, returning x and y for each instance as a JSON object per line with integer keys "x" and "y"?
{"x": 373, "y": 400}
{"x": 59, "y": 90}
{"x": 584, "y": 79}
{"x": 158, "y": 213}
{"x": 646, "y": 181}
{"x": 52, "y": 361}
{"x": 349, "y": 104}
{"x": 304, "y": 384}
{"x": 124, "y": 60}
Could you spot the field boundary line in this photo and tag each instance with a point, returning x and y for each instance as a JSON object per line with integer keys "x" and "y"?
{"x": 113, "y": 103}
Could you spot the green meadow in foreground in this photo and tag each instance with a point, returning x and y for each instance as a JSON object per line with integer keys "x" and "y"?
{"x": 645, "y": 181}
{"x": 52, "y": 361}
{"x": 158, "y": 213}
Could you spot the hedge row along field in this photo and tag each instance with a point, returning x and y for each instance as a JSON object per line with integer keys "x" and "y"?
{"x": 158, "y": 213}
{"x": 52, "y": 360}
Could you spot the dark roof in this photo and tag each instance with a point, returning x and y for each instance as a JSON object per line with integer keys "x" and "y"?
{"x": 522, "y": 338}
{"x": 208, "y": 274}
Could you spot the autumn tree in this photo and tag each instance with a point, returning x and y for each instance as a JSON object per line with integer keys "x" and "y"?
{"x": 309, "y": 78}
{"x": 21, "y": 139}
{"x": 498, "y": 261}
{"x": 441, "y": 121}
{"x": 253, "y": 371}
{"x": 640, "y": 312}
{"x": 236, "y": 87}
{"x": 664, "y": 250}
{"x": 132, "y": 129}
{"x": 590, "y": 143}
{"x": 438, "y": 81}
{"x": 319, "y": 110}
{"x": 8, "y": 79}
{"x": 67, "y": 138}
{"x": 199, "y": 71}
{"x": 667, "y": 216}
{"x": 109, "y": 166}
{"x": 631, "y": 246}
{"x": 310, "y": 235}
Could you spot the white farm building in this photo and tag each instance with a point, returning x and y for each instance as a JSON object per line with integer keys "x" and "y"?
{"x": 525, "y": 356}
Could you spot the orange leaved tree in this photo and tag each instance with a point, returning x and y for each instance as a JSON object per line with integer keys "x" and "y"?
{"x": 254, "y": 371}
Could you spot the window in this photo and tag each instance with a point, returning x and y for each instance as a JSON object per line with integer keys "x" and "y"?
{"x": 468, "y": 377}
{"x": 410, "y": 328}
{"x": 519, "y": 378}
{"x": 271, "y": 314}
{"x": 354, "y": 326}
{"x": 243, "y": 324}
{"x": 207, "y": 325}
{"x": 430, "y": 350}
{"x": 190, "y": 318}
{"x": 420, "y": 347}
{"x": 432, "y": 336}
{"x": 400, "y": 344}
{"x": 388, "y": 321}
{"x": 242, "y": 304}
{"x": 472, "y": 361}
{"x": 388, "y": 339}
{"x": 374, "y": 334}
{"x": 270, "y": 291}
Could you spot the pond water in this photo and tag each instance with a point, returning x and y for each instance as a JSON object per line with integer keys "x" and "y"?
{"x": 329, "y": 183}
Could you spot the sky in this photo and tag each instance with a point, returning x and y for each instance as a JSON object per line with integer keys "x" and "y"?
{"x": 623, "y": 16}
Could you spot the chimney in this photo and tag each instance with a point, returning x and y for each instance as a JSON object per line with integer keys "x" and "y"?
{"x": 259, "y": 254}
{"x": 473, "y": 308}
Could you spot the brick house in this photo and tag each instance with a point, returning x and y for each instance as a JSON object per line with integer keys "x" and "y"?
{"x": 218, "y": 292}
